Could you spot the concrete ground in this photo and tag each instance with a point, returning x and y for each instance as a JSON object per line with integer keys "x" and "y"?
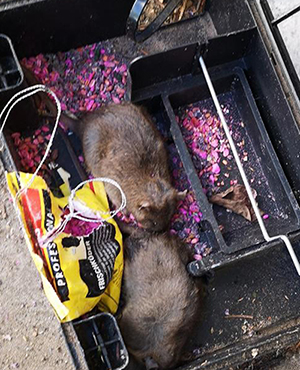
{"x": 30, "y": 335}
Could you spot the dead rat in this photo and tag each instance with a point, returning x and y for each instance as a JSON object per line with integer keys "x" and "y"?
{"x": 121, "y": 142}
{"x": 161, "y": 301}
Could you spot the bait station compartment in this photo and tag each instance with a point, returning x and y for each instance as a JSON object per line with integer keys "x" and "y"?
{"x": 180, "y": 88}
{"x": 262, "y": 167}
{"x": 246, "y": 319}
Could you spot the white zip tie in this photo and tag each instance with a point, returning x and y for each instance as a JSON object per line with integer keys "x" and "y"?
{"x": 263, "y": 229}
{"x": 26, "y": 93}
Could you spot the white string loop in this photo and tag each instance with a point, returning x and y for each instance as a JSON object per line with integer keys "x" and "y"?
{"x": 21, "y": 95}
{"x": 76, "y": 214}
{"x": 26, "y": 93}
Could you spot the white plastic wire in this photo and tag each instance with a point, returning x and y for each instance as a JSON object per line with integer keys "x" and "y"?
{"x": 26, "y": 93}
{"x": 21, "y": 95}
{"x": 263, "y": 229}
{"x": 102, "y": 179}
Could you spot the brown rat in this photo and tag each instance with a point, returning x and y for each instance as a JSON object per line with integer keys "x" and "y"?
{"x": 121, "y": 142}
{"x": 161, "y": 301}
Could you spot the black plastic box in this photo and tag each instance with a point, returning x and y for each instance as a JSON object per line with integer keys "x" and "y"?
{"x": 234, "y": 42}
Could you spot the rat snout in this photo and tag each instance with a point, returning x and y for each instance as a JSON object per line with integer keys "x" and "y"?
{"x": 152, "y": 225}
{"x": 157, "y": 225}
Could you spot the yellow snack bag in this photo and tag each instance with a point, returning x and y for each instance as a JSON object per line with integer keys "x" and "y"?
{"x": 83, "y": 265}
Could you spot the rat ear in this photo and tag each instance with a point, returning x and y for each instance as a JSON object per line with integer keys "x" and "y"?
{"x": 144, "y": 205}
{"x": 181, "y": 195}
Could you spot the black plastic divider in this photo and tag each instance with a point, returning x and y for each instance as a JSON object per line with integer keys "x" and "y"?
{"x": 158, "y": 69}
{"x": 209, "y": 225}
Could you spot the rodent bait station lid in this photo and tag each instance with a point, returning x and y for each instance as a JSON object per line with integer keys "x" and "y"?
{"x": 170, "y": 84}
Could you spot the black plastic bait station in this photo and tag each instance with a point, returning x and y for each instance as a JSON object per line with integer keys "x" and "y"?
{"x": 247, "y": 319}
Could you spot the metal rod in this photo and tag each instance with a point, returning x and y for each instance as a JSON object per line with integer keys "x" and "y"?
{"x": 264, "y": 231}
{"x": 289, "y": 14}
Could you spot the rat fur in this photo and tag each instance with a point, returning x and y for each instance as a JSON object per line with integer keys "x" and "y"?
{"x": 161, "y": 301}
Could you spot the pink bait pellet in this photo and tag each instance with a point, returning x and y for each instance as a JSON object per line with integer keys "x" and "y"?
{"x": 83, "y": 79}
{"x": 197, "y": 257}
